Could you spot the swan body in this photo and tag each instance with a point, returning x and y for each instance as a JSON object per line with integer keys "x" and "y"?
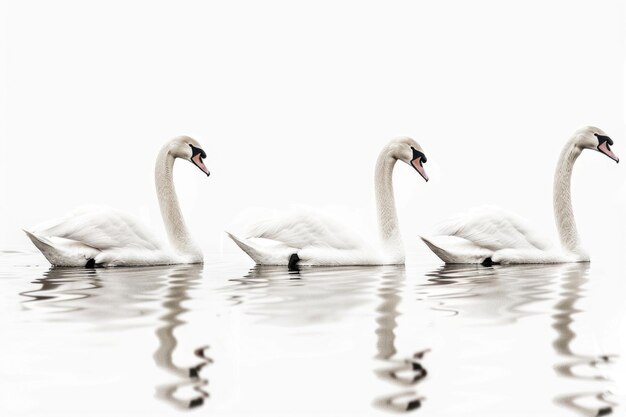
{"x": 317, "y": 239}
{"x": 91, "y": 235}
{"x": 489, "y": 234}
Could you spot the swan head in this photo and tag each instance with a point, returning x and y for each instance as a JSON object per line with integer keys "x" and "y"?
{"x": 410, "y": 152}
{"x": 590, "y": 137}
{"x": 189, "y": 149}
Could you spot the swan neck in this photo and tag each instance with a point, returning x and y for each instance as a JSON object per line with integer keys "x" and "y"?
{"x": 386, "y": 207}
{"x": 168, "y": 202}
{"x": 562, "y": 198}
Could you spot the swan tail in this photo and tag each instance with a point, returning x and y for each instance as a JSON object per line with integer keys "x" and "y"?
{"x": 62, "y": 252}
{"x": 456, "y": 250}
{"x": 249, "y": 249}
{"x": 440, "y": 252}
{"x": 40, "y": 242}
{"x": 264, "y": 251}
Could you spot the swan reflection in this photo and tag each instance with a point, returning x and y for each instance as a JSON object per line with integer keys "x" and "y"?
{"x": 576, "y": 365}
{"x": 116, "y": 298}
{"x": 420, "y": 340}
{"x": 309, "y": 295}
{"x": 506, "y": 294}
{"x": 402, "y": 372}
{"x": 180, "y": 279}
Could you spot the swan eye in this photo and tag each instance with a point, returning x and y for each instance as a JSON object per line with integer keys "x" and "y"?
{"x": 195, "y": 151}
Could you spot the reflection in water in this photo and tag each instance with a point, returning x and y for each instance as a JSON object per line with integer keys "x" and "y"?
{"x": 577, "y": 366}
{"x": 389, "y": 294}
{"x": 494, "y": 295}
{"x": 60, "y": 287}
{"x": 506, "y": 294}
{"x": 403, "y": 372}
{"x": 325, "y": 294}
{"x": 309, "y": 295}
{"x": 313, "y": 329}
{"x": 180, "y": 279}
{"x": 111, "y": 297}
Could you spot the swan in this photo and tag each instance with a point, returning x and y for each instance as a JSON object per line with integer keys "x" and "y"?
{"x": 306, "y": 237}
{"x": 490, "y": 235}
{"x": 96, "y": 236}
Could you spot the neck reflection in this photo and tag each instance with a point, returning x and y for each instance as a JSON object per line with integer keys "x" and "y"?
{"x": 180, "y": 279}
{"x": 110, "y": 297}
{"x": 577, "y": 366}
{"x": 402, "y": 372}
{"x": 503, "y": 295}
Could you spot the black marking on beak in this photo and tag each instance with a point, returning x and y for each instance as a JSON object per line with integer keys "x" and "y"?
{"x": 602, "y": 139}
{"x": 417, "y": 154}
{"x": 195, "y": 151}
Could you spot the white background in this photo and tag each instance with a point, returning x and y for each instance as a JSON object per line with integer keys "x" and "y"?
{"x": 292, "y": 102}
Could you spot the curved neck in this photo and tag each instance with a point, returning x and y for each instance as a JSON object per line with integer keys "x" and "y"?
{"x": 168, "y": 202}
{"x": 562, "y": 198}
{"x": 386, "y": 207}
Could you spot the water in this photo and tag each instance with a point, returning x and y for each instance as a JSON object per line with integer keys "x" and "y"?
{"x": 229, "y": 340}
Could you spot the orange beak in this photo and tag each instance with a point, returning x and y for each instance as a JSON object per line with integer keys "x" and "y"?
{"x": 417, "y": 164}
{"x": 197, "y": 161}
{"x": 605, "y": 149}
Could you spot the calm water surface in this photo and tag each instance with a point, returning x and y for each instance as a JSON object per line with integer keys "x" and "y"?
{"x": 229, "y": 340}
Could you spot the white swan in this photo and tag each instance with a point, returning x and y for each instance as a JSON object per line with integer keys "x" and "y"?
{"x": 490, "y": 235}
{"x": 93, "y": 236}
{"x": 308, "y": 238}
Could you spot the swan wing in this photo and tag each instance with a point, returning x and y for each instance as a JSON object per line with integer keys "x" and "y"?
{"x": 494, "y": 229}
{"x": 101, "y": 228}
{"x": 107, "y": 235}
{"x": 303, "y": 227}
{"x": 317, "y": 238}
{"x": 490, "y": 232}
